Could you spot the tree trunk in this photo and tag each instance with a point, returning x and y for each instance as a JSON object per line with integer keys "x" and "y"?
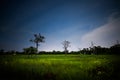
{"x": 37, "y": 47}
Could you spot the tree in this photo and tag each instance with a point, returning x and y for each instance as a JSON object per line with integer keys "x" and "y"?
{"x": 2, "y": 51}
{"x": 115, "y": 49}
{"x": 92, "y": 48}
{"x": 66, "y": 44}
{"x": 38, "y": 38}
{"x": 30, "y": 50}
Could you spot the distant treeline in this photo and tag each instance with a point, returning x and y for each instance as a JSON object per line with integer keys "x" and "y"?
{"x": 97, "y": 50}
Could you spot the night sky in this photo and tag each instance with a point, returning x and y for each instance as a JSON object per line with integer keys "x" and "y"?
{"x": 78, "y": 21}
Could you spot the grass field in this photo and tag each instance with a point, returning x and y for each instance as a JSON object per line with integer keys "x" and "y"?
{"x": 59, "y": 67}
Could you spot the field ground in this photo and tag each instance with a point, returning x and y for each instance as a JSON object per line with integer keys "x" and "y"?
{"x": 59, "y": 67}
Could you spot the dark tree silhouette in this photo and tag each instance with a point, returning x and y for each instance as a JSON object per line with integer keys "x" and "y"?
{"x": 92, "y": 48}
{"x": 30, "y": 50}
{"x": 115, "y": 49}
{"x": 66, "y": 44}
{"x": 38, "y": 38}
{"x": 2, "y": 51}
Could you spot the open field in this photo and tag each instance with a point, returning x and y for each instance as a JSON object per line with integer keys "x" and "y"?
{"x": 59, "y": 67}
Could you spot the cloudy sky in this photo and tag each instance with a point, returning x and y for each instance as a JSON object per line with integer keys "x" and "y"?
{"x": 78, "y": 21}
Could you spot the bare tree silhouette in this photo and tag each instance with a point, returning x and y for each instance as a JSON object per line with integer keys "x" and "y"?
{"x": 66, "y": 44}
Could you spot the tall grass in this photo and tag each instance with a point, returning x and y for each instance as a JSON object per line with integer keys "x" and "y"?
{"x": 57, "y": 67}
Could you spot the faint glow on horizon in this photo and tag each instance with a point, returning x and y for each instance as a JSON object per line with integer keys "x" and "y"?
{"x": 105, "y": 36}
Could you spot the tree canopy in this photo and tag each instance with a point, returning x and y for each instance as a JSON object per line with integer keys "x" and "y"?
{"x": 38, "y": 38}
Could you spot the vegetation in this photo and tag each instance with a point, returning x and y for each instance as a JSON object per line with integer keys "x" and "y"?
{"x": 94, "y": 63}
{"x": 30, "y": 50}
{"x": 59, "y": 67}
{"x": 97, "y": 50}
{"x": 38, "y": 39}
{"x": 66, "y": 44}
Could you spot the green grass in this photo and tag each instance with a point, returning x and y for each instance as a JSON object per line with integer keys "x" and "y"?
{"x": 58, "y": 67}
